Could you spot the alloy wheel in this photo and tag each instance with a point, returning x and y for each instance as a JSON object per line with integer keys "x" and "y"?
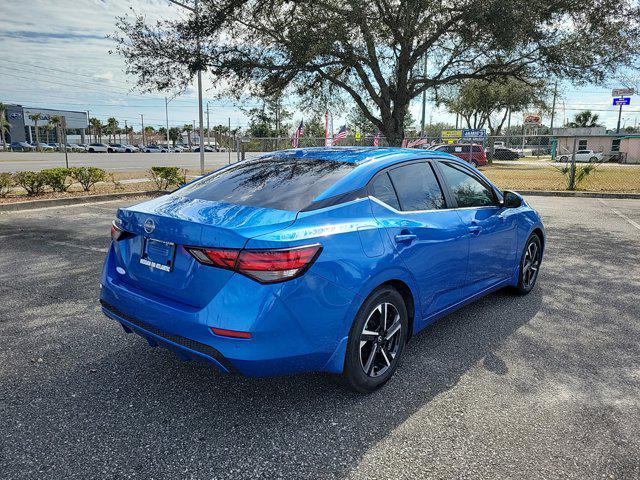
{"x": 380, "y": 339}
{"x": 531, "y": 264}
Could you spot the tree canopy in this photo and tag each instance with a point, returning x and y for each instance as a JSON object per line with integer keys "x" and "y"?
{"x": 372, "y": 51}
{"x": 483, "y": 103}
{"x": 585, "y": 119}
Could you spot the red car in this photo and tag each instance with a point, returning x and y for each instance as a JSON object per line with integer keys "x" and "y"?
{"x": 470, "y": 153}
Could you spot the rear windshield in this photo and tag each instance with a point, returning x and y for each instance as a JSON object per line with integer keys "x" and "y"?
{"x": 272, "y": 182}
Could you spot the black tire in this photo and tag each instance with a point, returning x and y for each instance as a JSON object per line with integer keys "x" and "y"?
{"x": 384, "y": 341}
{"x": 593, "y": 159}
{"x": 529, "y": 269}
{"x": 564, "y": 158}
{"x": 91, "y": 150}
{"x": 474, "y": 163}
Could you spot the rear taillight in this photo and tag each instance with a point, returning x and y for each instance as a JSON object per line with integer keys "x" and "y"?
{"x": 117, "y": 233}
{"x": 265, "y": 266}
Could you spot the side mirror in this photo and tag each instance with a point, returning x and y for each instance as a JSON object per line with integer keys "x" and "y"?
{"x": 511, "y": 200}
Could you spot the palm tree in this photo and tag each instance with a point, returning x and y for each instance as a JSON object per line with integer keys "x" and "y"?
{"x": 149, "y": 132}
{"x": 112, "y": 128}
{"x": 585, "y": 119}
{"x": 188, "y": 128}
{"x": 3, "y": 124}
{"x": 36, "y": 118}
{"x": 56, "y": 121}
{"x": 47, "y": 132}
{"x": 97, "y": 128}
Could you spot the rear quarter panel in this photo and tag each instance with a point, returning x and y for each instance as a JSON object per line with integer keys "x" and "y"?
{"x": 357, "y": 256}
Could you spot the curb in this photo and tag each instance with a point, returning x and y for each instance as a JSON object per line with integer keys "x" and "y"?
{"x": 60, "y": 202}
{"x": 565, "y": 193}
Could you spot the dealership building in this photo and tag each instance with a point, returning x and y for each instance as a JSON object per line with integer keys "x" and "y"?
{"x": 22, "y": 127}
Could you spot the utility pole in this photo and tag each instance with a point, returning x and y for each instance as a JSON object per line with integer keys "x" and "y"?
{"x": 126, "y": 132}
{"x": 424, "y": 97}
{"x": 142, "y": 120}
{"x": 553, "y": 106}
{"x": 63, "y": 140}
{"x": 89, "y": 123}
{"x": 208, "y": 131}
{"x": 229, "y": 149}
{"x": 166, "y": 117}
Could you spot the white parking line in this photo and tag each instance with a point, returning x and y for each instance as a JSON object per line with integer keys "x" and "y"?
{"x": 621, "y": 215}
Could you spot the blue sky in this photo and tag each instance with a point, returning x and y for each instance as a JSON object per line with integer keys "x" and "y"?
{"x": 55, "y": 55}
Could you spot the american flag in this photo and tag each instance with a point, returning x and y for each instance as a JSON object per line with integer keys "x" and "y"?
{"x": 341, "y": 135}
{"x": 296, "y": 136}
{"x": 376, "y": 139}
{"x": 418, "y": 142}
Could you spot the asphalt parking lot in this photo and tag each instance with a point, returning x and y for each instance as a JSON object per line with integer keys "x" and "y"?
{"x": 542, "y": 386}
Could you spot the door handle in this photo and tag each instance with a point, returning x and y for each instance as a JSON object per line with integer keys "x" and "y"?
{"x": 475, "y": 230}
{"x": 405, "y": 238}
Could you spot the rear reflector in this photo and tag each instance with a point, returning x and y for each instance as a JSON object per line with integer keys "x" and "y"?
{"x": 265, "y": 266}
{"x": 230, "y": 333}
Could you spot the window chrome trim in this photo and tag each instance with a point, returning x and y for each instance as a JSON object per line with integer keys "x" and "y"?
{"x": 381, "y": 203}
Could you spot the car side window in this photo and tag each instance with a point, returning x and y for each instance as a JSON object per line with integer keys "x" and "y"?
{"x": 467, "y": 190}
{"x": 382, "y": 189}
{"x": 417, "y": 187}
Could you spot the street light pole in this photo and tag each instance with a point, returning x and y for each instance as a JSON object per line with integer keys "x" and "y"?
{"x": 196, "y": 11}
{"x": 142, "y": 120}
{"x": 208, "y": 131}
{"x": 166, "y": 115}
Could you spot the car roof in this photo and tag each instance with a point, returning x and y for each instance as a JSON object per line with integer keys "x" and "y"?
{"x": 368, "y": 161}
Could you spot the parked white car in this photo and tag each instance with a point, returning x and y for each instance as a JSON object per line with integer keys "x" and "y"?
{"x": 582, "y": 156}
{"x": 153, "y": 149}
{"x": 130, "y": 148}
{"x": 97, "y": 148}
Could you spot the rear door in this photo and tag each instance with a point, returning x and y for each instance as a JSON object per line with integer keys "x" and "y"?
{"x": 431, "y": 240}
{"x": 491, "y": 229}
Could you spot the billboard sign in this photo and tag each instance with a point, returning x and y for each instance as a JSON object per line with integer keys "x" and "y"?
{"x": 532, "y": 119}
{"x": 451, "y": 134}
{"x": 620, "y": 92}
{"x": 622, "y": 101}
{"x": 474, "y": 133}
{"x": 72, "y": 119}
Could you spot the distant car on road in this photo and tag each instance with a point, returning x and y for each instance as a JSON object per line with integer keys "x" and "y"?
{"x": 21, "y": 146}
{"x": 504, "y": 153}
{"x": 116, "y": 148}
{"x": 98, "y": 148}
{"x": 74, "y": 147}
{"x": 582, "y": 156}
{"x": 153, "y": 149}
{"x": 470, "y": 153}
{"x": 42, "y": 146}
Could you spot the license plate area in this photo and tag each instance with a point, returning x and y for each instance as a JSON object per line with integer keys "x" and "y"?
{"x": 158, "y": 254}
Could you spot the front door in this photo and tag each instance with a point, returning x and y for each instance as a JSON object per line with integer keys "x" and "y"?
{"x": 491, "y": 228}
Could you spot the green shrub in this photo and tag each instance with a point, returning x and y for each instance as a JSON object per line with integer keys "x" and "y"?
{"x": 165, "y": 177}
{"x": 88, "y": 176}
{"x": 580, "y": 175}
{"x": 6, "y": 183}
{"x": 57, "y": 178}
{"x": 32, "y": 182}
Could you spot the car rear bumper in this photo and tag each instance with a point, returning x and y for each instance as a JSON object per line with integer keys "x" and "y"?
{"x": 296, "y": 326}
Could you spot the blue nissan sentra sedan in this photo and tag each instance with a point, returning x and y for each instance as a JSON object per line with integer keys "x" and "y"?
{"x": 319, "y": 259}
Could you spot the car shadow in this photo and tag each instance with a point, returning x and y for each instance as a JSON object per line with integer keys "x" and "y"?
{"x": 148, "y": 402}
